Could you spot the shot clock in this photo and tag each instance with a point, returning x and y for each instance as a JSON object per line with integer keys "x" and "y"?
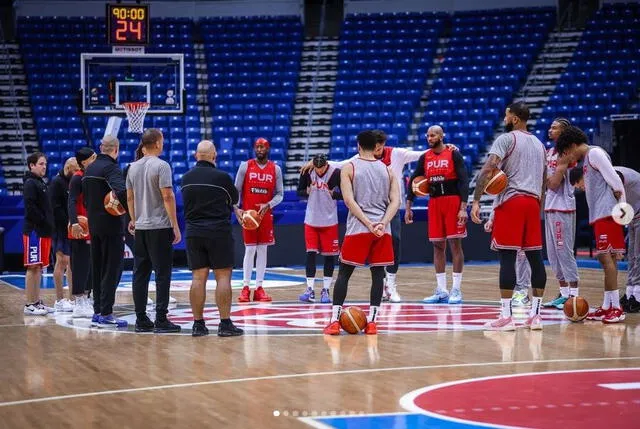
{"x": 127, "y": 25}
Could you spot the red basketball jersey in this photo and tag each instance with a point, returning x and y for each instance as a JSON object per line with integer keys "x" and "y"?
{"x": 259, "y": 184}
{"x": 439, "y": 167}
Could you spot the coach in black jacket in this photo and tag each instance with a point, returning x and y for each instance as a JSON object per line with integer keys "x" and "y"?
{"x": 107, "y": 245}
{"x": 209, "y": 195}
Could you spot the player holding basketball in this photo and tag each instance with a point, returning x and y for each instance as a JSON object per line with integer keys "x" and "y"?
{"x": 372, "y": 195}
{"x": 560, "y": 219}
{"x": 36, "y": 232}
{"x": 321, "y": 187}
{"x": 80, "y": 260}
{"x": 603, "y": 189}
{"x": 448, "y": 189}
{"x": 259, "y": 183}
{"x": 516, "y": 224}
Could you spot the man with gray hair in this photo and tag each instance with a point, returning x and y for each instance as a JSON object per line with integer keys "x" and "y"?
{"x": 107, "y": 244}
{"x": 152, "y": 206}
{"x": 209, "y": 196}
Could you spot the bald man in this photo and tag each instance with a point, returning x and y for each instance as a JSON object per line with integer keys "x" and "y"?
{"x": 209, "y": 196}
{"x": 448, "y": 191}
{"x": 59, "y": 195}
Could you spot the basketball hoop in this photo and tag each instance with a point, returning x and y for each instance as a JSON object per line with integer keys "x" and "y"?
{"x": 136, "y": 112}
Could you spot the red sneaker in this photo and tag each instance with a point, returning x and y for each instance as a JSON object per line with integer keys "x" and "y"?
{"x": 597, "y": 314}
{"x": 260, "y": 295}
{"x": 245, "y": 295}
{"x": 332, "y": 328}
{"x": 614, "y": 315}
{"x": 371, "y": 328}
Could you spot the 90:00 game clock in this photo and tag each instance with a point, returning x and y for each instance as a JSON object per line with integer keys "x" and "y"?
{"x": 127, "y": 25}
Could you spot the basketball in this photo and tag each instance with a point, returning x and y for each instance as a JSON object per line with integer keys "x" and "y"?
{"x": 112, "y": 205}
{"x": 251, "y": 219}
{"x": 84, "y": 224}
{"x": 420, "y": 186}
{"x": 353, "y": 320}
{"x": 576, "y": 308}
{"x": 497, "y": 183}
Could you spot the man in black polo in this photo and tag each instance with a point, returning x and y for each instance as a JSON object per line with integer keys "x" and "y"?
{"x": 107, "y": 245}
{"x": 209, "y": 195}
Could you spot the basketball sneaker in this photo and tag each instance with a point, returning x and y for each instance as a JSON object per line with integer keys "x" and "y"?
{"x": 111, "y": 322}
{"x": 501, "y": 324}
{"x": 520, "y": 298}
{"x": 534, "y": 323}
{"x": 597, "y": 314}
{"x": 308, "y": 296}
{"x": 371, "y": 328}
{"x": 41, "y": 305}
{"x": 229, "y": 330}
{"x": 165, "y": 326}
{"x": 82, "y": 309}
{"x": 332, "y": 328}
{"x": 261, "y": 295}
{"x": 394, "y": 296}
{"x": 63, "y": 306}
{"x": 440, "y": 296}
{"x": 324, "y": 296}
{"x": 557, "y": 303}
{"x": 624, "y": 303}
{"x": 144, "y": 324}
{"x": 245, "y": 294}
{"x": 34, "y": 310}
{"x": 633, "y": 306}
{"x": 199, "y": 329}
{"x": 385, "y": 291}
{"x": 455, "y": 297}
{"x": 613, "y": 315}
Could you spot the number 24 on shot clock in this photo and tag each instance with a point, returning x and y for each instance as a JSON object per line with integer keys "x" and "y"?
{"x": 127, "y": 24}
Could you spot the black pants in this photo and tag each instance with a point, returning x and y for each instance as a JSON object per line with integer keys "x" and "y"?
{"x": 153, "y": 251}
{"x": 107, "y": 254}
{"x": 396, "y": 232}
{"x": 81, "y": 266}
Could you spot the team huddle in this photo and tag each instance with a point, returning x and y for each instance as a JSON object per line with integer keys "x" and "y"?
{"x": 91, "y": 204}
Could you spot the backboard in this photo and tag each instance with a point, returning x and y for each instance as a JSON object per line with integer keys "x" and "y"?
{"x": 108, "y": 80}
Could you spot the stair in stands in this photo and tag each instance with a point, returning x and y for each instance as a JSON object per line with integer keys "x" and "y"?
{"x": 319, "y": 60}
{"x": 15, "y": 114}
{"x": 206, "y": 120}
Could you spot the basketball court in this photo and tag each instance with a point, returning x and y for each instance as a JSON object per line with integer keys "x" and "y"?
{"x": 430, "y": 365}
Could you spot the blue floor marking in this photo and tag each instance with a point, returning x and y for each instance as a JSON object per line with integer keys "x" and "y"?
{"x": 391, "y": 421}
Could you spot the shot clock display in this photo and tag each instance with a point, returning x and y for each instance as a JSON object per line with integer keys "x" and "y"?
{"x": 127, "y": 25}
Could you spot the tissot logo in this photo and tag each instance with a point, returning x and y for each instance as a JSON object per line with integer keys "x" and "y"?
{"x": 259, "y": 191}
{"x": 262, "y": 177}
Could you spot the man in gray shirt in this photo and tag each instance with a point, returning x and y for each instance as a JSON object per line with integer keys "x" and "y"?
{"x": 154, "y": 223}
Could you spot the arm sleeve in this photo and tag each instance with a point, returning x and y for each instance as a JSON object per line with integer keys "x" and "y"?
{"x": 33, "y": 211}
{"x": 115, "y": 180}
{"x": 279, "y": 195}
{"x": 418, "y": 172}
{"x": 242, "y": 170}
{"x": 75, "y": 189}
{"x": 502, "y": 146}
{"x": 600, "y": 161}
{"x": 340, "y": 164}
{"x": 463, "y": 176}
{"x": 303, "y": 183}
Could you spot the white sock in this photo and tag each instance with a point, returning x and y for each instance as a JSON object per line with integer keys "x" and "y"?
{"x": 261, "y": 263}
{"x": 505, "y": 307}
{"x": 607, "y": 302}
{"x": 310, "y": 282}
{"x": 575, "y": 291}
{"x": 457, "y": 280}
{"x": 564, "y": 291}
{"x": 536, "y": 302}
{"x": 373, "y": 312}
{"x": 247, "y": 264}
{"x": 335, "y": 312}
{"x": 614, "y": 298}
{"x": 629, "y": 291}
{"x": 326, "y": 282}
{"x": 391, "y": 280}
{"x": 636, "y": 292}
{"x": 441, "y": 281}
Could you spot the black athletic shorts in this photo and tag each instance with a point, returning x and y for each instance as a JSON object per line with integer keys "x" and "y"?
{"x": 214, "y": 253}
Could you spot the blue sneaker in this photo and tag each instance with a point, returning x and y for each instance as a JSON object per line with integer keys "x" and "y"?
{"x": 455, "y": 297}
{"x": 111, "y": 322}
{"x": 324, "y": 296}
{"x": 439, "y": 297}
{"x": 95, "y": 319}
{"x": 308, "y": 296}
{"x": 557, "y": 303}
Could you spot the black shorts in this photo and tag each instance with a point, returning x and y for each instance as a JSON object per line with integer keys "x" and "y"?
{"x": 61, "y": 243}
{"x": 214, "y": 253}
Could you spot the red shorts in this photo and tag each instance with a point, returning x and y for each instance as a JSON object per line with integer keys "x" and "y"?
{"x": 262, "y": 235}
{"x": 517, "y": 224}
{"x": 36, "y": 250}
{"x": 609, "y": 236}
{"x": 322, "y": 239}
{"x": 359, "y": 249}
{"x": 443, "y": 218}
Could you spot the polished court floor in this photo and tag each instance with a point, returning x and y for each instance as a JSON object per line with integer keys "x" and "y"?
{"x": 431, "y": 365}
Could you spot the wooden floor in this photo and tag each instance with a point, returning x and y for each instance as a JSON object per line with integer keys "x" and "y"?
{"x": 56, "y": 376}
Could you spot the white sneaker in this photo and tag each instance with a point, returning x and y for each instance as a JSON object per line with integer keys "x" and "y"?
{"x": 149, "y": 301}
{"x": 534, "y": 323}
{"x": 394, "y": 296}
{"x": 34, "y": 310}
{"x": 501, "y": 324}
{"x": 90, "y": 301}
{"x": 40, "y": 304}
{"x": 63, "y": 306}
{"x": 455, "y": 297}
{"x": 172, "y": 300}
{"x": 82, "y": 309}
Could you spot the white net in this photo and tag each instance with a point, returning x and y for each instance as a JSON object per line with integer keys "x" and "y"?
{"x": 136, "y": 112}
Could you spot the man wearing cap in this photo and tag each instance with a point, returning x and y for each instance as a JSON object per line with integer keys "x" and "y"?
{"x": 259, "y": 183}
{"x": 80, "y": 260}
{"x": 321, "y": 188}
